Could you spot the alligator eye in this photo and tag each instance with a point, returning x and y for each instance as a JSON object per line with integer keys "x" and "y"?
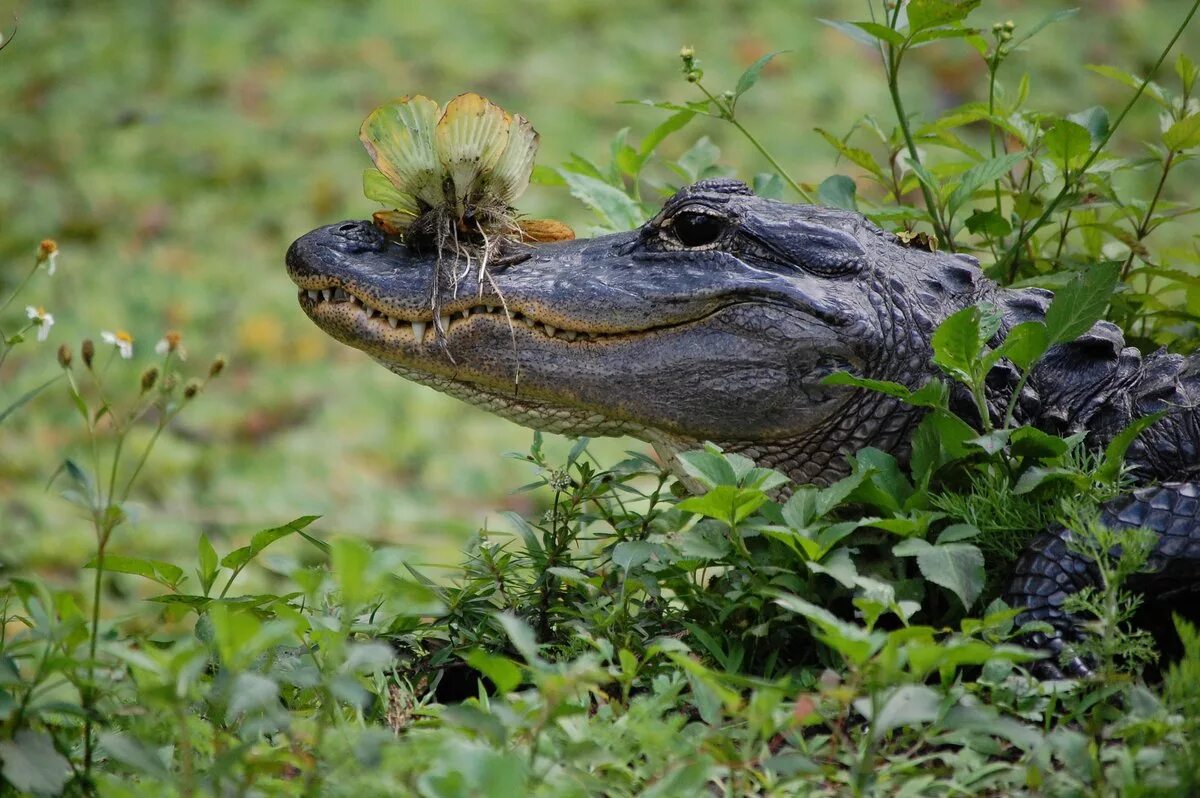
{"x": 697, "y": 229}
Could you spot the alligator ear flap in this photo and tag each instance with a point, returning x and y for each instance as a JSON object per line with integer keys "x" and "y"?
{"x": 544, "y": 231}
{"x": 399, "y": 137}
{"x": 510, "y": 177}
{"x": 471, "y": 135}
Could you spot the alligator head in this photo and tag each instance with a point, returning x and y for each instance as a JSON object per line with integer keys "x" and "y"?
{"x": 715, "y": 321}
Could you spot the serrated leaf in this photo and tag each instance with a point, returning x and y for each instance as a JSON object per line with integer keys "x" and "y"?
{"x": 924, "y": 14}
{"x": 870, "y": 35}
{"x": 615, "y": 208}
{"x": 1081, "y": 303}
{"x": 1114, "y": 453}
{"x": 1025, "y": 344}
{"x": 726, "y": 503}
{"x": 1068, "y": 144}
{"x": 503, "y": 672}
{"x": 958, "y": 567}
{"x": 674, "y": 122}
{"x": 907, "y": 705}
{"x": 1094, "y": 120}
{"x": 752, "y": 74}
{"x": 980, "y": 175}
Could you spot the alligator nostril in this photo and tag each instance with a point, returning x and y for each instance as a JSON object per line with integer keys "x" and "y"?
{"x": 358, "y": 237}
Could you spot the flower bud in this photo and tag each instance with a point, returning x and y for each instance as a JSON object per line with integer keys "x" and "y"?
{"x": 64, "y": 356}
{"x": 88, "y": 350}
{"x": 149, "y": 377}
{"x": 1009, "y": 25}
{"x": 694, "y": 76}
{"x": 687, "y": 53}
{"x": 218, "y": 365}
{"x": 191, "y": 389}
{"x": 170, "y": 383}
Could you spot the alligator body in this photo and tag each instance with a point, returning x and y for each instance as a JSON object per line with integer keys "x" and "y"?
{"x": 717, "y": 321}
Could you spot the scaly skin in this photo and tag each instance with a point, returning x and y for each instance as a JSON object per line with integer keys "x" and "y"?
{"x": 717, "y": 321}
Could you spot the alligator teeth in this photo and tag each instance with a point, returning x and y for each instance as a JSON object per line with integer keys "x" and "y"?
{"x": 340, "y": 295}
{"x": 569, "y": 334}
{"x": 354, "y": 300}
{"x": 551, "y": 330}
{"x": 314, "y": 295}
{"x": 418, "y": 331}
{"x": 393, "y": 321}
{"x": 466, "y": 312}
{"x": 445, "y": 323}
{"x": 326, "y": 294}
{"x": 371, "y": 312}
{"x": 491, "y": 308}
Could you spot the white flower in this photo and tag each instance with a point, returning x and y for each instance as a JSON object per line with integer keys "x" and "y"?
{"x": 122, "y": 340}
{"x": 170, "y": 343}
{"x": 48, "y": 254}
{"x": 41, "y": 319}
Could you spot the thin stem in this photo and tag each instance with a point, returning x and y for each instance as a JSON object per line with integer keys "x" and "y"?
{"x": 1067, "y": 187}
{"x": 20, "y": 286}
{"x": 726, "y": 113}
{"x": 893, "y": 81}
{"x": 1143, "y": 228}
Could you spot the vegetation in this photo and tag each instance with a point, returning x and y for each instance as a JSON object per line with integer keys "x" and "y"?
{"x": 616, "y": 636}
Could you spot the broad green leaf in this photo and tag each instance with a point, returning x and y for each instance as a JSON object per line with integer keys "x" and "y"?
{"x": 958, "y": 341}
{"x": 134, "y": 754}
{"x": 725, "y": 503}
{"x": 503, "y": 672}
{"x": 924, "y": 14}
{"x": 207, "y": 555}
{"x": 853, "y": 154}
{"x": 263, "y": 538}
{"x": 615, "y": 208}
{"x": 768, "y": 185}
{"x": 752, "y": 74}
{"x": 251, "y": 692}
{"x": 850, "y": 640}
{"x": 702, "y": 156}
{"x": 522, "y": 637}
{"x": 708, "y": 467}
{"x": 838, "y": 191}
{"x": 350, "y": 560}
{"x": 932, "y": 394}
{"x": 1184, "y": 134}
{"x": 1025, "y": 344}
{"x": 907, "y": 705}
{"x": 164, "y": 573}
{"x": 988, "y": 223}
{"x": 980, "y": 175}
{"x": 1068, "y": 144}
{"x": 1081, "y": 303}
{"x": 958, "y": 567}
{"x": 1153, "y": 91}
{"x": 33, "y": 765}
{"x": 1032, "y": 442}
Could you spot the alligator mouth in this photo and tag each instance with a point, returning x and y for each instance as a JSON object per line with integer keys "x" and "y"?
{"x": 423, "y": 330}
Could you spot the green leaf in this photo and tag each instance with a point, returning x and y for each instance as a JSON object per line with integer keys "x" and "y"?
{"x": 1025, "y": 344}
{"x": 1114, "y": 453}
{"x": 868, "y": 33}
{"x": 521, "y": 635}
{"x": 907, "y": 705}
{"x": 853, "y": 642}
{"x": 701, "y": 157}
{"x": 1095, "y": 121}
{"x": 674, "y": 122}
{"x": 958, "y": 567}
{"x": 503, "y": 672}
{"x": 350, "y": 560}
{"x": 988, "y": 223}
{"x": 708, "y": 467}
{"x": 853, "y": 154}
{"x": 1152, "y": 89}
{"x": 1081, "y": 303}
{"x": 209, "y": 563}
{"x": 752, "y": 74}
{"x": 924, "y": 14}
{"x": 838, "y": 191}
{"x": 725, "y": 503}
{"x": 1184, "y": 134}
{"x": 980, "y": 175}
{"x": 932, "y": 394}
{"x": 1068, "y": 144}
{"x": 239, "y": 557}
{"x": 134, "y": 754}
{"x": 165, "y": 573}
{"x": 768, "y": 185}
{"x": 615, "y": 208}
{"x": 1032, "y": 442}
{"x": 1049, "y": 19}
{"x": 32, "y": 765}
{"x": 958, "y": 341}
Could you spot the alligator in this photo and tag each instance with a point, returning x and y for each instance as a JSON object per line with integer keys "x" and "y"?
{"x": 719, "y": 319}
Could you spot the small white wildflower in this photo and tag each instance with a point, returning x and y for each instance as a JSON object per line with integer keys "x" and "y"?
{"x": 41, "y": 319}
{"x": 122, "y": 340}
{"x": 48, "y": 254}
{"x": 170, "y": 344}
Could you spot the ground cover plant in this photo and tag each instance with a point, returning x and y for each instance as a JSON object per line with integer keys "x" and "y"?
{"x": 619, "y": 636}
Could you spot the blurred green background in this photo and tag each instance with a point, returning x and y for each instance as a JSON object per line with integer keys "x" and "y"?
{"x": 174, "y": 149}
